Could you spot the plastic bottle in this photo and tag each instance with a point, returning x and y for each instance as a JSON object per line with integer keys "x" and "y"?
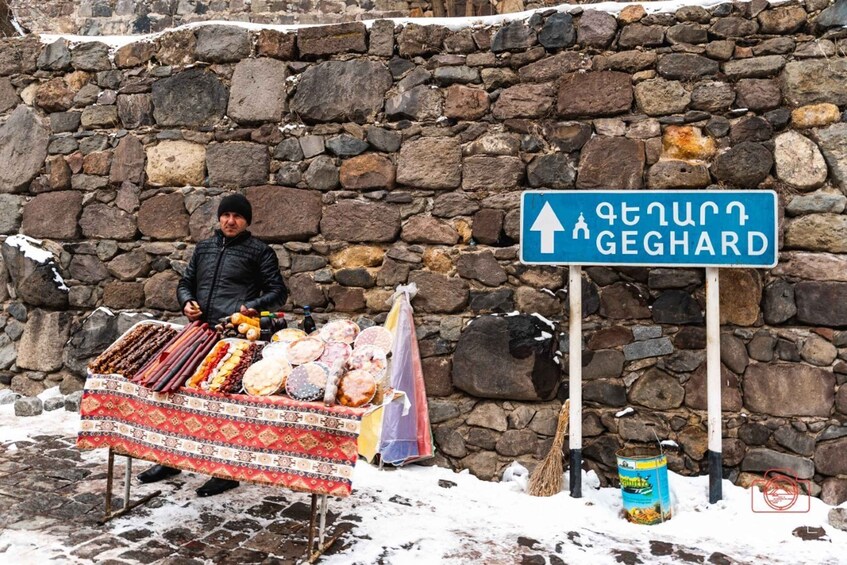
{"x": 308, "y": 323}
{"x": 281, "y": 322}
{"x": 265, "y": 328}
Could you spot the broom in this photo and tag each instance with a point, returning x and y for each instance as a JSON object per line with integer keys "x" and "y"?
{"x": 546, "y": 480}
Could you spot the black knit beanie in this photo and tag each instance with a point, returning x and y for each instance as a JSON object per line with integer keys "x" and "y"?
{"x": 236, "y": 203}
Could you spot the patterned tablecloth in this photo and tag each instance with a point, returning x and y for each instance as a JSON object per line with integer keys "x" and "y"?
{"x": 303, "y": 446}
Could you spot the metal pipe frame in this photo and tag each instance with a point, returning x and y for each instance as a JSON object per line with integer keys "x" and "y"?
{"x": 110, "y": 481}
{"x": 314, "y": 549}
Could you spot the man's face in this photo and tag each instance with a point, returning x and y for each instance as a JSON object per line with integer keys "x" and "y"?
{"x": 232, "y": 224}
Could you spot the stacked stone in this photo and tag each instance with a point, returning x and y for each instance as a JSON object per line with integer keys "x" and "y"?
{"x": 104, "y": 17}
{"x": 389, "y": 155}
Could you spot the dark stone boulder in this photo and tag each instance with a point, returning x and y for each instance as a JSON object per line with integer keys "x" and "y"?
{"x": 608, "y": 392}
{"x": 734, "y": 353}
{"x": 320, "y": 41}
{"x": 594, "y": 94}
{"x": 507, "y": 357}
{"x": 761, "y": 459}
{"x": 686, "y": 66}
{"x": 744, "y": 165}
{"x": 676, "y": 307}
{"x": 222, "y": 44}
{"x": 40, "y": 346}
{"x": 594, "y": 169}
{"x": 23, "y": 148}
{"x": 284, "y": 214}
{"x": 657, "y": 390}
{"x": 439, "y": 293}
{"x": 237, "y": 164}
{"x": 603, "y": 449}
{"x": 91, "y": 56}
{"x": 690, "y": 337}
{"x": 89, "y": 338}
{"x": 558, "y": 31}
{"x": 753, "y": 433}
{"x": 834, "y": 16}
{"x": 567, "y": 136}
{"x": 605, "y": 363}
{"x": 821, "y": 303}
{"x": 36, "y": 280}
{"x": 191, "y": 98}
{"x": 55, "y": 57}
{"x": 798, "y": 442}
{"x": 778, "y": 302}
{"x": 596, "y": 28}
{"x": 360, "y": 221}
{"x": 500, "y": 300}
{"x": 341, "y": 91}
{"x": 515, "y": 36}
{"x": 831, "y": 457}
{"x": 695, "y": 390}
{"x": 789, "y": 390}
{"x": 415, "y": 39}
{"x": 482, "y": 267}
{"x": 555, "y": 170}
{"x": 622, "y": 301}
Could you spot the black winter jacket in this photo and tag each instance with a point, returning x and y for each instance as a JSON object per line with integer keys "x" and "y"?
{"x": 225, "y": 273}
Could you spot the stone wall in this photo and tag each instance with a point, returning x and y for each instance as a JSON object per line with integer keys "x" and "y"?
{"x": 376, "y": 157}
{"x": 119, "y": 17}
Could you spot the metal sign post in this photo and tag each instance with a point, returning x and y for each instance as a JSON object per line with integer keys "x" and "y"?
{"x": 575, "y": 377}
{"x": 675, "y": 228}
{"x": 713, "y": 383}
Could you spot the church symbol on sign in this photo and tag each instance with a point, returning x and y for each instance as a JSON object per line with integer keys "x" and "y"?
{"x": 581, "y": 227}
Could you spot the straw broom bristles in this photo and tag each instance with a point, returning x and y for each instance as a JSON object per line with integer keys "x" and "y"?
{"x": 546, "y": 480}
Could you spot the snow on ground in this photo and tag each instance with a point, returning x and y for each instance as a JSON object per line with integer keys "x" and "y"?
{"x": 13, "y": 428}
{"x": 433, "y": 515}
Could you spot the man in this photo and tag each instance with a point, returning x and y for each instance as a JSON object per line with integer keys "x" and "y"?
{"x": 229, "y": 272}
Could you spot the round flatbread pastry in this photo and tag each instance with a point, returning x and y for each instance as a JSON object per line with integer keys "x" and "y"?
{"x": 335, "y": 351}
{"x": 288, "y": 334}
{"x": 305, "y": 350}
{"x": 376, "y": 335}
{"x": 276, "y": 350}
{"x": 266, "y": 377}
{"x": 344, "y": 331}
{"x": 307, "y": 382}
{"x": 356, "y": 388}
{"x": 368, "y": 358}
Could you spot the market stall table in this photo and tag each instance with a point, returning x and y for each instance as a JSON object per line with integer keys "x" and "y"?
{"x": 303, "y": 446}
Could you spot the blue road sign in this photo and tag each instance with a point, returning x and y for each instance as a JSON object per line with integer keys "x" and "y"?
{"x": 682, "y": 228}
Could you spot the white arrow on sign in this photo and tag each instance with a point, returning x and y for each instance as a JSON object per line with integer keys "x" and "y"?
{"x": 548, "y": 224}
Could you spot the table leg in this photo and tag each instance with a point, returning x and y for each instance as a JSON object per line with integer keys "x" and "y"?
{"x": 322, "y": 526}
{"x": 312, "y": 517}
{"x": 110, "y": 474}
{"x": 317, "y": 548}
{"x": 127, "y": 477}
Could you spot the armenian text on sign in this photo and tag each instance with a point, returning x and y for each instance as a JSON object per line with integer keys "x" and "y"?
{"x": 725, "y": 228}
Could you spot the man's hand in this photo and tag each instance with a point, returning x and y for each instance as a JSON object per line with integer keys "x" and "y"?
{"x": 251, "y": 312}
{"x": 192, "y": 310}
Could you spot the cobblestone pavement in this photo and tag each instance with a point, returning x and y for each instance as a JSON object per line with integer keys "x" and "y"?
{"x": 49, "y": 488}
{"x": 51, "y": 501}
